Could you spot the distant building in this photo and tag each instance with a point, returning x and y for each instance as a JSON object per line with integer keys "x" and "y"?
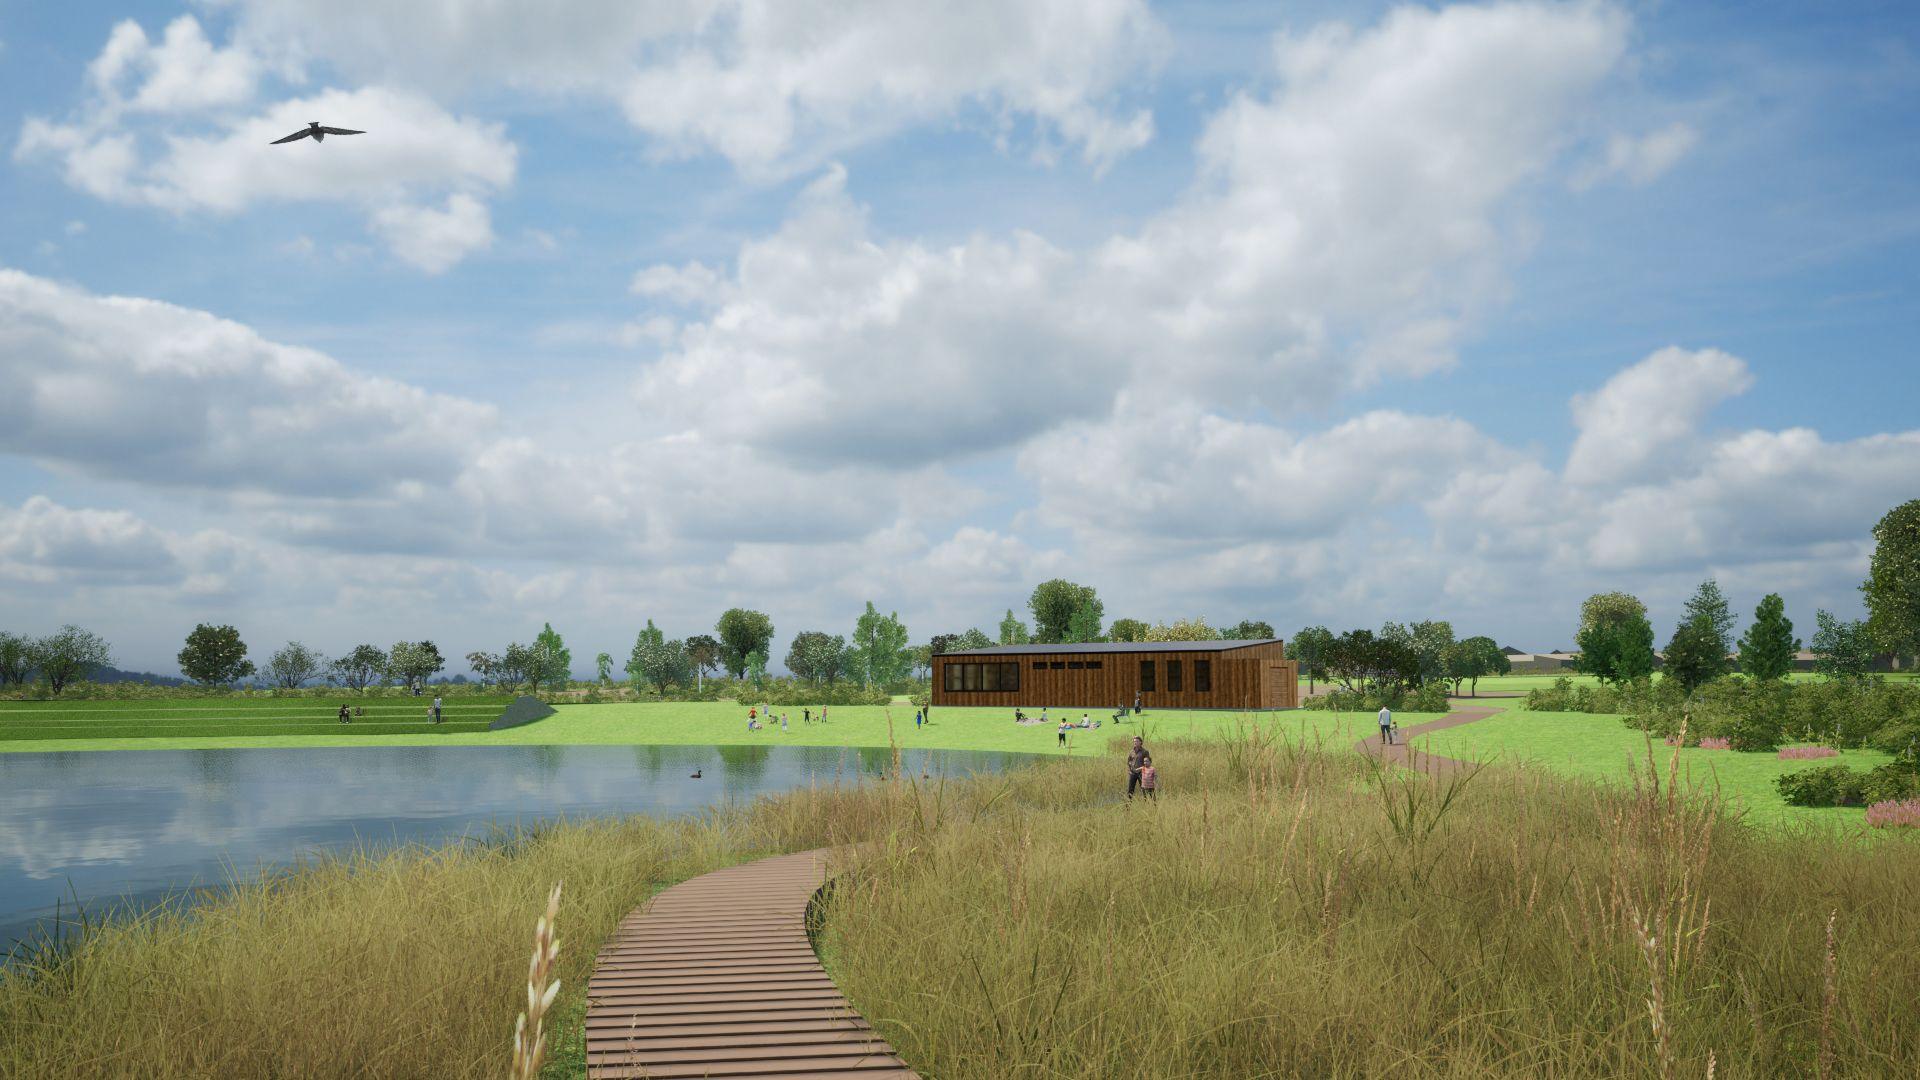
{"x": 1108, "y": 674}
{"x": 1547, "y": 663}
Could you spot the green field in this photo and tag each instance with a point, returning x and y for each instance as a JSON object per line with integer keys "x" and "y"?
{"x": 36, "y": 724}
{"x": 41, "y": 726}
{"x": 1601, "y": 747}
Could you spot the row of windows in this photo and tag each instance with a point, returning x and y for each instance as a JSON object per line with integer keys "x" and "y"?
{"x": 1005, "y": 676}
{"x": 983, "y": 677}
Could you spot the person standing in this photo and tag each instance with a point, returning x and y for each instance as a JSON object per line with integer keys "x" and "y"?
{"x": 1136, "y": 703}
{"x": 436, "y": 708}
{"x": 783, "y": 723}
{"x": 1063, "y": 732}
{"x": 345, "y": 716}
{"x": 1137, "y": 758}
{"x": 806, "y": 716}
{"x": 1386, "y": 726}
{"x": 916, "y": 719}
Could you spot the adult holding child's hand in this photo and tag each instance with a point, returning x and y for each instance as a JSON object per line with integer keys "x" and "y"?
{"x": 1137, "y": 758}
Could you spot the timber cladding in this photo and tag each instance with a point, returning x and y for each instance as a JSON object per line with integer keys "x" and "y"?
{"x": 1107, "y": 675}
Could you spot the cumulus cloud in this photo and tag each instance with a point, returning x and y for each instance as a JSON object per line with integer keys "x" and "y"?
{"x": 137, "y": 389}
{"x": 1636, "y": 426}
{"x": 43, "y": 541}
{"x": 1639, "y": 161}
{"x": 177, "y": 126}
{"x": 1342, "y": 230}
{"x": 768, "y": 84}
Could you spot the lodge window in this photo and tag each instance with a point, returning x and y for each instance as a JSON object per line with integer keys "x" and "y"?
{"x": 1146, "y": 675}
{"x": 1056, "y": 664}
{"x": 1203, "y": 676}
{"x": 1074, "y": 665}
{"x": 1093, "y": 665}
{"x": 984, "y": 678}
{"x": 1173, "y": 676}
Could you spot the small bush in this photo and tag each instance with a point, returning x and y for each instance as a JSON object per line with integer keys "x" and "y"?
{"x": 1807, "y": 753}
{"x": 1711, "y": 743}
{"x": 1837, "y": 785}
{"x": 1431, "y": 698}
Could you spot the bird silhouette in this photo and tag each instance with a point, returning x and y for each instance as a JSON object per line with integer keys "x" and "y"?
{"x": 315, "y": 132}
{"x": 695, "y": 774}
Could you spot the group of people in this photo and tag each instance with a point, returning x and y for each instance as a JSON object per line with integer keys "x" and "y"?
{"x": 761, "y": 717}
{"x": 346, "y": 715}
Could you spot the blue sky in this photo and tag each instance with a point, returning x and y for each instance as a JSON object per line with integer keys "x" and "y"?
{"x": 1316, "y": 313}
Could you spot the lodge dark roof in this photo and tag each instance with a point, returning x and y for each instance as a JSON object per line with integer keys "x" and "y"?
{"x": 1112, "y": 647}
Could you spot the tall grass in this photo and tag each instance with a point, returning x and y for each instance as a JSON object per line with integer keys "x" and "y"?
{"x": 1281, "y": 910}
{"x": 1285, "y": 912}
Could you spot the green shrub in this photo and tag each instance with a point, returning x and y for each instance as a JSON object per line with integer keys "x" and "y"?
{"x": 1837, "y": 785}
{"x": 1431, "y": 697}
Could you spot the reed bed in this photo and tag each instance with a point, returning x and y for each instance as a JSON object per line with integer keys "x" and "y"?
{"x": 1287, "y": 912}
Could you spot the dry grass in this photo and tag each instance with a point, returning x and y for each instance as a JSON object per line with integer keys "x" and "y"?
{"x": 1282, "y": 912}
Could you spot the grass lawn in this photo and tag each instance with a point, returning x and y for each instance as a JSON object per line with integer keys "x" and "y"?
{"x": 35, "y": 724}
{"x": 1599, "y": 746}
{"x": 43, "y": 726}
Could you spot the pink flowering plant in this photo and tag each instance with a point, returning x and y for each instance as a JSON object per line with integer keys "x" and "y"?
{"x": 1807, "y": 753}
{"x": 1895, "y": 814}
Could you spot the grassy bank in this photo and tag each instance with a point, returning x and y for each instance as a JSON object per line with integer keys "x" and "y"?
{"x": 1600, "y": 747}
{"x": 1285, "y": 914}
{"x": 1280, "y": 911}
{"x": 694, "y": 723}
{"x": 249, "y": 718}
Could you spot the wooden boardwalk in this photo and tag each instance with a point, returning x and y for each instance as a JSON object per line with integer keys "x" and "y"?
{"x": 715, "y": 977}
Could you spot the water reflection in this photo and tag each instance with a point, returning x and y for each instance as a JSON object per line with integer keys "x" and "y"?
{"x": 143, "y": 824}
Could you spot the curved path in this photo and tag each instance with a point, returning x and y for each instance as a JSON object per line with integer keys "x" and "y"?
{"x": 1403, "y": 752}
{"x": 715, "y": 977}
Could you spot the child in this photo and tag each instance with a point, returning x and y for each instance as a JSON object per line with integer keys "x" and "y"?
{"x": 751, "y": 713}
{"x": 783, "y": 723}
{"x": 1149, "y": 778}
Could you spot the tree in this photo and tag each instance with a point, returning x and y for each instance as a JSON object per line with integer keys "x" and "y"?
{"x": 14, "y": 666}
{"x": 1013, "y": 631}
{"x": 1612, "y": 607}
{"x": 69, "y": 654}
{"x": 1127, "y": 630}
{"x": 1396, "y": 656}
{"x": 972, "y": 639}
{"x": 922, "y": 661}
{"x": 1195, "y": 629}
{"x": 1250, "y": 630}
{"x": 294, "y": 665}
{"x": 1430, "y": 641}
{"x": 215, "y": 656}
{"x": 657, "y": 662}
{"x": 1716, "y": 619}
{"x": 1350, "y": 658}
{"x": 364, "y": 666}
{"x": 1054, "y": 605}
{"x": 703, "y": 652}
{"x": 603, "y": 668}
{"x": 484, "y": 664}
{"x": 1475, "y": 658}
{"x": 1615, "y": 641}
{"x": 943, "y": 643}
{"x": 879, "y": 647}
{"x": 1695, "y": 655}
{"x": 1767, "y": 651}
{"x": 556, "y": 659}
{"x": 1309, "y": 649}
{"x": 1892, "y": 588}
{"x": 815, "y": 656}
{"x": 1085, "y": 624}
{"x": 1841, "y": 650}
{"x": 742, "y": 633}
{"x": 414, "y": 662}
{"x": 757, "y": 666}
{"x": 520, "y": 664}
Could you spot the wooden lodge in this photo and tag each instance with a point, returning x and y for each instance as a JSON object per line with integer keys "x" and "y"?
{"x": 1107, "y": 675}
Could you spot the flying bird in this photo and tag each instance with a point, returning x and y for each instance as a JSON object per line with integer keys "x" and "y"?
{"x": 317, "y": 133}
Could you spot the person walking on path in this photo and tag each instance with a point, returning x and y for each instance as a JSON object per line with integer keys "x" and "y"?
{"x": 1386, "y": 726}
{"x": 1137, "y": 759}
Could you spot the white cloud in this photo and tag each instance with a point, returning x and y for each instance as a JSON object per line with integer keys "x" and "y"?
{"x": 45, "y": 542}
{"x": 1342, "y": 230}
{"x": 138, "y": 389}
{"x": 434, "y": 240}
{"x": 189, "y": 137}
{"x": 1639, "y": 161}
{"x": 770, "y": 84}
{"x": 1639, "y": 425}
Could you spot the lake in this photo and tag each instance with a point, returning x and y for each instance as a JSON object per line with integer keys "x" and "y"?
{"x": 137, "y": 825}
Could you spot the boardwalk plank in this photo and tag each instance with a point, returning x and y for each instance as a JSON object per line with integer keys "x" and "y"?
{"x": 715, "y": 977}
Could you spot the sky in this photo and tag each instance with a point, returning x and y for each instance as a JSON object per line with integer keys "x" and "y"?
{"x": 1312, "y": 313}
